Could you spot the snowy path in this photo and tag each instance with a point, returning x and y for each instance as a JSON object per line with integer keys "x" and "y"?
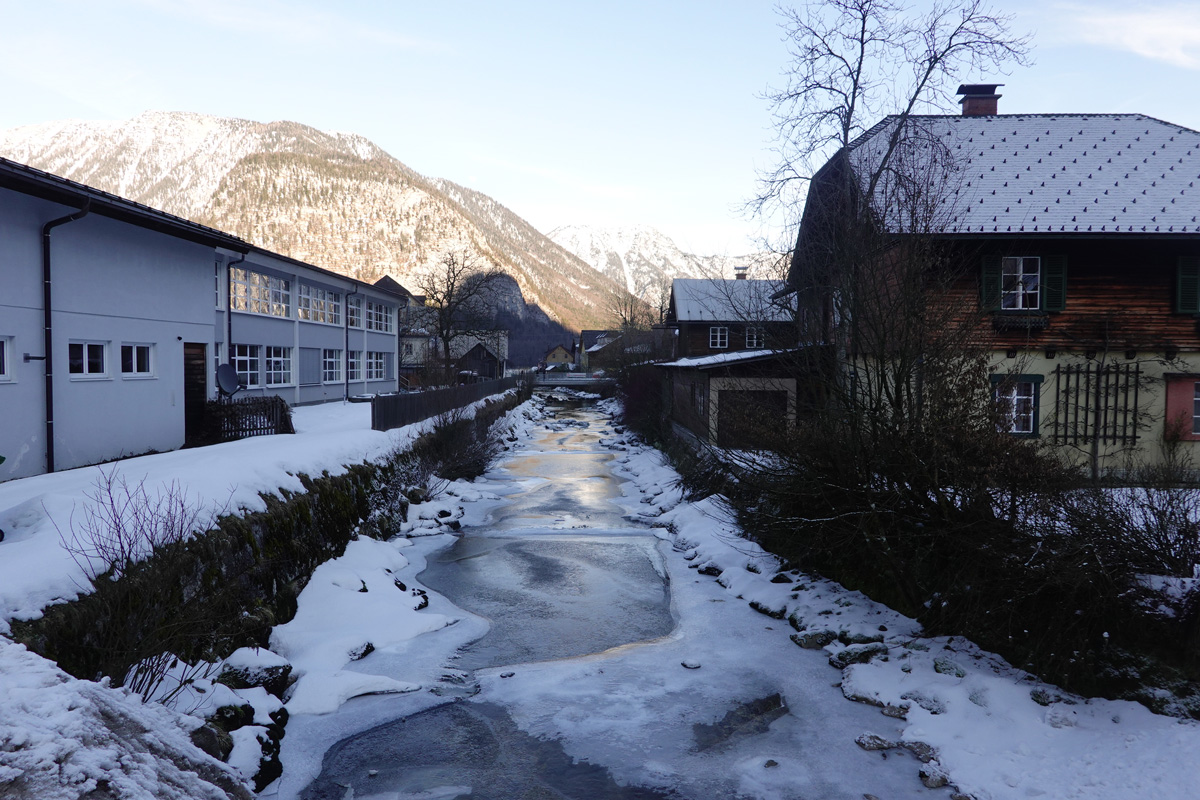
{"x": 661, "y": 684}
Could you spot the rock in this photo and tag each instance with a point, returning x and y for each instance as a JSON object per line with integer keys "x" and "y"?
{"x": 845, "y": 637}
{"x": 857, "y": 654}
{"x": 423, "y": 601}
{"x": 773, "y": 613}
{"x": 945, "y": 666}
{"x": 275, "y": 678}
{"x": 796, "y": 621}
{"x": 454, "y": 525}
{"x": 871, "y": 741}
{"x": 896, "y": 712}
{"x": 710, "y": 569}
{"x": 771, "y": 763}
{"x": 922, "y": 751}
{"x": 231, "y": 718}
{"x": 781, "y": 578}
{"x": 507, "y": 674}
{"x": 213, "y": 740}
{"x": 933, "y": 776}
{"x": 931, "y": 704}
{"x": 400, "y": 585}
{"x": 690, "y": 664}
{"x": 362, "y": 651}
{"x": 814, "y": 640}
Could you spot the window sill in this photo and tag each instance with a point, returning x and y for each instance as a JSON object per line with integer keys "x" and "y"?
{"x": 89, "y": 378}
{"x": 138, "y": 377}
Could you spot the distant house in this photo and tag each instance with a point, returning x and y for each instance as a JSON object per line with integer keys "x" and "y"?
{"x": 709, "y": 316}
{"x": 114, "y": 317}
{"x": 558, "y": 356}
{"x": 590, "y": 343}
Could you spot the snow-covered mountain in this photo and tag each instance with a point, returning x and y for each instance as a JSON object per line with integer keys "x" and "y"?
{"x": 333, "y": 199}
{"x": 642, "y": 258}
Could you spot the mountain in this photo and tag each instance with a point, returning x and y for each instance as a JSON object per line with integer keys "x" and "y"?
{"x": 333, "y": 199}
{"x": 641, "y": 258}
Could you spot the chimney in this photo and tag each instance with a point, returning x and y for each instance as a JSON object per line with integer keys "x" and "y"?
{"x": 979, "y": 99}
{"x": 739, "y": 273}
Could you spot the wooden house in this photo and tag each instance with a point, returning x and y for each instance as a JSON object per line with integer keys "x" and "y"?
{"x": 1074, "y": 242}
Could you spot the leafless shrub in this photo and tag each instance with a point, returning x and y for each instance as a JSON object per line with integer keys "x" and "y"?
{"x": 122, "y": 523}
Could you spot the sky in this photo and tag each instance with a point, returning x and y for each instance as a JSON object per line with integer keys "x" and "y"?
{"x": 601, "y": 113}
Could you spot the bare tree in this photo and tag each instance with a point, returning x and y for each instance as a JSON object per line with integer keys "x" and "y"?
{"x": 460, "y": 302}
{"x": 855, "y": 61}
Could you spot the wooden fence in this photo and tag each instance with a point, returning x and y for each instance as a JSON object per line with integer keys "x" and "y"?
{"x": 396, "y": 410}
{"x": 226, "y": 420}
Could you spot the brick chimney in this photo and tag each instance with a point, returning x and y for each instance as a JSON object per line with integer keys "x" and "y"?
{"x": 979, "y": 99}
{"x": 739, "y": 273}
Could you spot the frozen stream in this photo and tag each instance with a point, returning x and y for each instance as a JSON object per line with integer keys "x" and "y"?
{"x": 588, "y": 663}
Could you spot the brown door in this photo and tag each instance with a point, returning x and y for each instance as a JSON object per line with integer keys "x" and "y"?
{"x": 195, "y": 388}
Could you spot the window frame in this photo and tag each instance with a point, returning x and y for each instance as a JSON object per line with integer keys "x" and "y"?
{"x": 756, "y": 337}
{"x": 378, "y": 317}
{"x": 354, "y": 311}
{"x": 377, "y": 365}
{"x": 1007, "y": 416}
{"x": 255, "y": 292}
{"x": 85, "y": 360}
{"x": 1051, "y": 293}
{"x": 135, "y": 373}
{"x": 6, "y": 374}
{"x": 718, "y": 337}
{"x": 277, "y": 366}
{"x": 331, "y": 365}
{"x": 354, "y": 365}
{"x": 247, "y": 362}
{"x": 318, "y": 304}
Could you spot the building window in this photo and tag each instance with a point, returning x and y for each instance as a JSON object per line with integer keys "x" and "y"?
{"x": 331, "y": 366}
{"x": 354, "y": 365}
{"x": 354, "y": 312}
{"x": 136, "y": 361}
{"x": 259, "y": 293}
{"x": 756, "y": 337}
{"x": 5, "y": 358}
{"x": 379, "y": 317}
{"x": 1016, "y": 399}
{"x": 318, "y": 305}
{"x": 87, "y": 359}
{"x": 377, "y": 365}
{"x": 245, "y": 361}
{"x": 718, "y": 337}
{"x": 408, "y": 348}
{"x": 278, "y": 366}
{"x": 1020, "y": 282}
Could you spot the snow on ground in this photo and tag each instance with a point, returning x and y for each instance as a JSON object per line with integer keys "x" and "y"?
{"x": 988, "y": 729}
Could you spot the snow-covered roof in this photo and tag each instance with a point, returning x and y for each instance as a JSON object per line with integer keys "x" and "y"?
{"x": 701, "y": 362}
{"x": 1042, "y": 173}
{"x": 718, "y": 300}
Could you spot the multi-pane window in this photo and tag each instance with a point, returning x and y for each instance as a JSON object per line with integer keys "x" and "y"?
{"x": 1018, "y": 406}
{"x": 87, "y": 358}
{"x": 278, "y": 366}
{"x": 5, "y": 375}
{"x": 1020, "y": 282}
{"x": 379, "y": 317}
{"x": 331, "y": 365}
{"x": 245, "y": 361}
{"x": 135, "y": 360}
{"x": 318, "y": 305}
{"x": 354, "y": 308}
{"x": 260, "y": 293}
{"x": 718, "y": 337}
{"x": 1196, "y": 409}
{"x": 756, "y": 337}
{"x": 354, "y": 365}
{"x": 377, "y": 366}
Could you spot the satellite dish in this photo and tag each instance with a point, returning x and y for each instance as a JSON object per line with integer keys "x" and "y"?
{"x": 227, "y": 379}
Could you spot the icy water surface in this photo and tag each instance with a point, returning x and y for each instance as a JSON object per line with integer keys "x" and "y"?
{"x": 559, "y": 572}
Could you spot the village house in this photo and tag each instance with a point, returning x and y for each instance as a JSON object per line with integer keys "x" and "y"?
{"x": 114, "y": 317}
{"x": 1076, "y": 241}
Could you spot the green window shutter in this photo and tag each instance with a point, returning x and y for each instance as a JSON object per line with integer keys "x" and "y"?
{"x": 1054, "y": 283}
{"x": 1187, "y": 285}
{"x": 989, "y": 283}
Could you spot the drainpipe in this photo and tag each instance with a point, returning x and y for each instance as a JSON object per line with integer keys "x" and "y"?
{"x": 346, "y": 351}
{"x": 48, "y": 325}
{"x": 229, "y": 308}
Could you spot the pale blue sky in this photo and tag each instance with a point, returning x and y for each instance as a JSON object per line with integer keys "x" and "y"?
{"x": 601, "y": 113}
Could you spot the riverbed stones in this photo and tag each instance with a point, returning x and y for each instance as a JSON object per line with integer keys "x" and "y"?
{"x": 857, "y": 654}
{"x": 814, "y": 640}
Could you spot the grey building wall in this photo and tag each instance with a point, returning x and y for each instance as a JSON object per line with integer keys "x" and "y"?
{"x": 113, "y": 284}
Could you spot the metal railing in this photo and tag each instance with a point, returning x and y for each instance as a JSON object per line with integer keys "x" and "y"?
{"x": 396, "y": 410}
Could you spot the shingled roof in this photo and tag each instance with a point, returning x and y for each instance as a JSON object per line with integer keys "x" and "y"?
{"x": 1046, "y": 173}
